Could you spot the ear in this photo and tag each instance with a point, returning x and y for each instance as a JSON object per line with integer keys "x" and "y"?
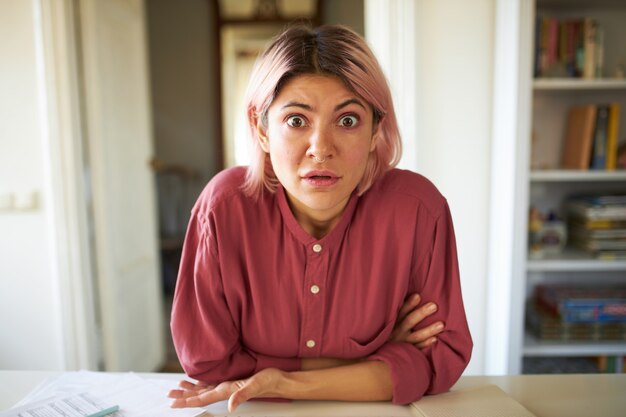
{"x": 376, "y": 133}
{"x": 261, "y": 132}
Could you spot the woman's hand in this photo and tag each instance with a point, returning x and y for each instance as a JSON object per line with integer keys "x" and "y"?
{"x": 410, "y": 315}
{"x": 262, "y": 384}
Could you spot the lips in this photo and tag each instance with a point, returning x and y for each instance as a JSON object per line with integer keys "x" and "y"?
{"x": 321, "y": 178}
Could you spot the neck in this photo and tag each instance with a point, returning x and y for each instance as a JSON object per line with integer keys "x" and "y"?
{"x": 318, "y": 229}
{"x": 317, "y": 223}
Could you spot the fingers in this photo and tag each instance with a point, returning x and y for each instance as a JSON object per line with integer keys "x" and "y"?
{"x": 184, "y": 384}
{"x": 428, "y": 342}
{"x": 196, "y": 394}
{"x": 426, "y": 336}
{"x": 247, "y": 389}
{"x": 411, "y": 303}
{"x": 262, "y": 384}
{"x": 189, "y": 389}
{"x": 417, "y": 315}
{"x": 199, "y": 398}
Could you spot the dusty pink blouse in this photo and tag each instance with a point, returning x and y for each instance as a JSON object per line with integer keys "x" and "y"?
{"x": 256, "y": 291}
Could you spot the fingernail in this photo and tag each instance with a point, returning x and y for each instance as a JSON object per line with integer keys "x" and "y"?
{"x": 416, "y": 297}
{"x": 431, "y": 307}
{"x": 439, "y": 326}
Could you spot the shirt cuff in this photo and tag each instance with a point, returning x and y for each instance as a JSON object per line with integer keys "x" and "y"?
{"x": 410, "y": 370}
{"x": 284, "y": 364}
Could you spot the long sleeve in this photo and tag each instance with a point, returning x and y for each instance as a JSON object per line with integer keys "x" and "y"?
{"x": 205, "y": 330}
{"x": 434, "y": 370}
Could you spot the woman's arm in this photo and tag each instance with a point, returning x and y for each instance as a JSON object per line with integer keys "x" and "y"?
{"x": 320, "y": 378}
{"x": 362, "y": 381}
{"x": 406, "y": 330}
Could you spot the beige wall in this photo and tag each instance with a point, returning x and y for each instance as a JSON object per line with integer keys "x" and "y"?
{"x": 29, "y": 311}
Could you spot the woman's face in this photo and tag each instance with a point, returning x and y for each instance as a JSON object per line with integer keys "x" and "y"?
{"x": 319, "y": 136}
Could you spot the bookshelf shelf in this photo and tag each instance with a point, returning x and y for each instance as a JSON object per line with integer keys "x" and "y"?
{"x": 543, "y": 139}
{"x": 574, "y": 265}
{"x": 576, "y": 176}
{"x": 579, "y": 84}
{"x": 536, "y": 347}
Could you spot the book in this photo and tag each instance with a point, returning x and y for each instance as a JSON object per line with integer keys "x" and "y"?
{"x": 537, "y": 63}
{"x": 611, "y": 255}
{"x": 546, "y": 325}
{"x": 570, "y": 48}
{"x": 584, "y": 303}
{"x": 598, "y": 224}
{"x": 609, "y": 207}
{"x": 598, "y": 159}
{"x": 579, "y": 131}
{"x": 590, "y": 27}
{"x": 553, "y": 42}
{"x": 599, "y": 52}
{"x": 611, "y": 137}
{"x": 590, "y": 234}
{"x": 594, "y": 245}
{"x": 483, "y": 401}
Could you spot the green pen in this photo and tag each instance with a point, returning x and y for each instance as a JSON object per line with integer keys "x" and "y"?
{"x": 105, "y": 412}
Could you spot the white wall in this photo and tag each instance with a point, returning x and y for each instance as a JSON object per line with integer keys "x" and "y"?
{"x": 446, "y": 61}
{"x": 30, "y": 319}
{"x": 454, "y": 137}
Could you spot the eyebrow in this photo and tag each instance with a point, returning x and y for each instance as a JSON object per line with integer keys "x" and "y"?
{"x": 337, "y": 107}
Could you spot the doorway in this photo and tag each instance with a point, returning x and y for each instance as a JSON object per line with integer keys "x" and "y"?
{"x": 199, "y": 131}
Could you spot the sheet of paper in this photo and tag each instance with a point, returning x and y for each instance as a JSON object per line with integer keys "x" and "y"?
{"x": 136, "y": 396}
{"x": 78, "y": 405}
{"x": 485, "y": 401}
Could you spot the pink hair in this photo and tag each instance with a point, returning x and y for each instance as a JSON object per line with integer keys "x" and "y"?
{"x": 328, "y": 50}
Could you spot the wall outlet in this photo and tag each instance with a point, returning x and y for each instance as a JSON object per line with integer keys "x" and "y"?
{"x": 26, "y": 201}
{"x": 7, "y": 201}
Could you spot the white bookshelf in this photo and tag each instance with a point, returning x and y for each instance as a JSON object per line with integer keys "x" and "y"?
{"x": 574, "y": 263}
{"x": 545, "y": 186}
{"x": 536, "y": 347}
{"x": 569, "y": 84}
{"x": 559, "y": 175}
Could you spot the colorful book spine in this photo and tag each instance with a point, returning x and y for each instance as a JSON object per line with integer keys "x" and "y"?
{"x": 590, "y": 27}
{"x": 598, "y": 159}
{"x": 584, "y": 304}
{"x": 611, "y": 140}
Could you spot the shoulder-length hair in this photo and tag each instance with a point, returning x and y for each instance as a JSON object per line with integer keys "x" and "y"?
{"x": 331, "y": 50}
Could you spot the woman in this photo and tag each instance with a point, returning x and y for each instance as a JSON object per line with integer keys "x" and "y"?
{"x": 296, "y": 270}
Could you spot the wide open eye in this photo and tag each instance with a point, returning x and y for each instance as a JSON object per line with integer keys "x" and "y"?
{"x": 348, "y": 121}
{"x": 296, "y": 121}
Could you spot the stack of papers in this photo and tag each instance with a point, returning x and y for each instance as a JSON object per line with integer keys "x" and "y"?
{"x": 76, "y": 394}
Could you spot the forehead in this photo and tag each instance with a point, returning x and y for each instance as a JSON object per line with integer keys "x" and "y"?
{"x": 315, "y": 87}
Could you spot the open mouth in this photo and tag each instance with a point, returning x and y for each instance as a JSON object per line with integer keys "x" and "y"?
{"x": 321, "y": 179}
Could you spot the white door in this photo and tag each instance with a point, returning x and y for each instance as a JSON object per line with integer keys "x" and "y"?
{"x": 119, "y": 141}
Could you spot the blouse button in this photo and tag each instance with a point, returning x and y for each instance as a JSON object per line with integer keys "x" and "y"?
{"x": 310, "y": 343}
{"x": 317, "y": 248}
{"x": 315, "y": 289}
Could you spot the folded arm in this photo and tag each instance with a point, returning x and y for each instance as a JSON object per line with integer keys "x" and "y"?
{"x": 320, "y": 378}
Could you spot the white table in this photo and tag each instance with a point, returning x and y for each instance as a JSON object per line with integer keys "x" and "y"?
{"x": 544, "y": 395}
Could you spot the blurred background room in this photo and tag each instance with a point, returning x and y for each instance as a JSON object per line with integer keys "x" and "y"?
{"x": 115, "y": 114}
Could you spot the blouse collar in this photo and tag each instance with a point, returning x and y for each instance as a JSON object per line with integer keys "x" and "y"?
{"x": 298, "y": 231}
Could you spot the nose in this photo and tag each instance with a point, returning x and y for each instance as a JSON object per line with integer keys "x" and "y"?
{"x": 321, "y": 145}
